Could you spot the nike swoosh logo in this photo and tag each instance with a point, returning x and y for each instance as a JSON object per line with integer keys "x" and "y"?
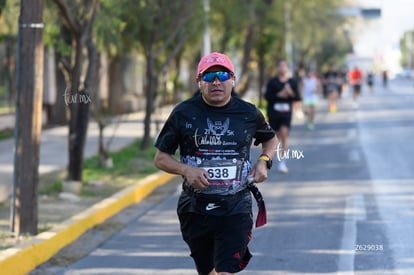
{"x": 211, "y": 206}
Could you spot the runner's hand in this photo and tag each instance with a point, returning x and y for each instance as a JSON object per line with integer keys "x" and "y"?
{"x": 196, "y": 177}
{"x": 283, "y": 94}
{"x": 288, "y": 90}
{"x": 259, "y": 171}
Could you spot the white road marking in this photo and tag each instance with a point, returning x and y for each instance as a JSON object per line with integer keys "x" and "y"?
{"x": 354, "y": 212}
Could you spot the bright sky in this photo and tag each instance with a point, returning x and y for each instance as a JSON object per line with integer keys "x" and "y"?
{"x": 380, "y": 37}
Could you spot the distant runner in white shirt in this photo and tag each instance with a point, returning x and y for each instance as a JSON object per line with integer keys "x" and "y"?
{"x": 310, "y": 90}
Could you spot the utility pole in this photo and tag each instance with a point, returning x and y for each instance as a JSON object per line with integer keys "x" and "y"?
{"x": 28, "y": 118}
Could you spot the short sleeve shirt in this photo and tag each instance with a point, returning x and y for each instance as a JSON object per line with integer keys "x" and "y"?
{"x": 217, "y": 139}
{"x": 277, "y": 106}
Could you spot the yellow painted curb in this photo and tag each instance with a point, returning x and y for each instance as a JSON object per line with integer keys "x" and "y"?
{"x": 22, "y": 259}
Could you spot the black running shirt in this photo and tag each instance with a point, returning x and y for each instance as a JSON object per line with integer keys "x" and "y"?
{"x": 277, "y": 106}
{"x": 217, "y": 139}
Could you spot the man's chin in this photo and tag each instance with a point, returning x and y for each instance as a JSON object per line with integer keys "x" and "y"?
{"x": 216, "y": 93}
{"x": 217, "y": 97}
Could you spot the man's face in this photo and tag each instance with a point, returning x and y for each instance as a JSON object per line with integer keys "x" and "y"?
{"x": 283, "y": 68}
{"x": 216, "y": 92}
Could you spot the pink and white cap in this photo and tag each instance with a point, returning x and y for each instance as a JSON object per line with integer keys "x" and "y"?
{"x": 214, "y": 59}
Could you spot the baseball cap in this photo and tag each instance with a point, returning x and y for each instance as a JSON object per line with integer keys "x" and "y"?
{"x": 214, "y": 59}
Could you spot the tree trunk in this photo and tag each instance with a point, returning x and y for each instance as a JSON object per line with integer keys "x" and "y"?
{"x": 76, "y": 95}
{"x": 60, "y": 116}
{"x": 244, "y": 80}
{"x": 178, "y": 87}
{"x": 115, "y": 82}
{"x": 92, "y": 85}
{"x": 28, "y": 117}
{"x": 77, "y": 137}
{"x": 261, "y": 73}
{"x": 150, "y": 95}
{"x": 79, "y": 114}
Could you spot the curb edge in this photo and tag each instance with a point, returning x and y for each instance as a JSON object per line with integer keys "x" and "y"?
{"x": 24, "y": 258}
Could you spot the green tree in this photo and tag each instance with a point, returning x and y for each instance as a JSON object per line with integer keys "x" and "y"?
{"x": 115, "y": 43}
{"x": 233, "y": 27}
{"x": 270, "y": 41}
{"x": 256, "y": 32}
{"x": 78, "y": 17}
{"x": 161, "y": 29}
{"x": 2, "y": 5}
{"x": 407, "y": 49}
{"x": 318, "y": 35}
{"x": 8, "y": 36}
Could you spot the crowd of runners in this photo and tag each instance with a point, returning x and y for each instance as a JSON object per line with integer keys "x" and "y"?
{"x": 300, "y": 92}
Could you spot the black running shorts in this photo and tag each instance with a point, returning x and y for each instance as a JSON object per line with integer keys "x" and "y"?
{"x": 284, "y": 119}
{"x": 218, "y": 242}
{"x": 357, "y": 88}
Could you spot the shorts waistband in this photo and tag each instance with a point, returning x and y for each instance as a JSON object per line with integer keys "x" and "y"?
{"x": 191, "y": 191}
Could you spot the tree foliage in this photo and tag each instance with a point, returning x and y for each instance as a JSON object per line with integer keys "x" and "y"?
{"x": 164, "y": 33}
{"x": 255, "y": 32}
{"x": 252, "y": 32}
{"x": 319, "y": 33}
{"x": 8, "y": 37}
{"x": 407, "y": 49}
{"x": 159, "y": 29}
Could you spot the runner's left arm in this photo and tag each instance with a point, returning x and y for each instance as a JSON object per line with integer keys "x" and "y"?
{"x": 266, "y": 136}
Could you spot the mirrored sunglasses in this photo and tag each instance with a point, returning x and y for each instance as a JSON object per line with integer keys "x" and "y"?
{"x": 222, "y": 76}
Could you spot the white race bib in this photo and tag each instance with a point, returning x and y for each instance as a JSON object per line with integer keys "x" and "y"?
{"x": 281, "y": 107}
{"x": 222, "y": 172}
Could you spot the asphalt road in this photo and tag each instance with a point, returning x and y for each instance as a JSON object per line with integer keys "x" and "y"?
{"x": 345, "y": 207}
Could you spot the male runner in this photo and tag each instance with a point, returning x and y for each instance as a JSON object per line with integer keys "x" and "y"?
{"x": 214, "y": 131}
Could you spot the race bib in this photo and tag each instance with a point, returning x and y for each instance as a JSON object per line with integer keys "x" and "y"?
{"x": 222, "y": 172}
{"x": 281, "y": 107}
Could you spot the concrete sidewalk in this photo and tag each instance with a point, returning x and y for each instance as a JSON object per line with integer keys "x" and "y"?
{"x": 7, "y": 121}
{"x": 54, "y": 144}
